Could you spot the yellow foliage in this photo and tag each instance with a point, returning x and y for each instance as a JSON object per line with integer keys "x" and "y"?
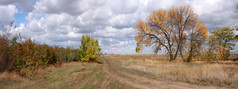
{"x": 222, "y": 53}
{"x": 141, "y": 26}
{"x": 139, "y": 47}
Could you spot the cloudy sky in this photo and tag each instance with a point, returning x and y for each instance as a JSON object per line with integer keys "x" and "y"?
{"x": 63, "y": 22}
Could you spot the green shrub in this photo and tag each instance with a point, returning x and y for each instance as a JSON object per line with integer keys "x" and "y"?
{"x": 89, "y": 49}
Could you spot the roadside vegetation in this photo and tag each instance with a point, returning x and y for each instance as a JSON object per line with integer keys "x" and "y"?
{"x": 25, "y": 56}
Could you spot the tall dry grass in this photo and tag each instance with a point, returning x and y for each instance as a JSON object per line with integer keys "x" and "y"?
{"x": 10, "y": 77}
{"x": 201, "y": 73}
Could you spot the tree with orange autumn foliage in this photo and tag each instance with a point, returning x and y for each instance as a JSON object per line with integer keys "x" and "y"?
{"x": 173, "y": 29}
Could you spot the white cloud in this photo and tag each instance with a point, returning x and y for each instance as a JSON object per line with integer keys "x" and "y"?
{"x": 73, "y": 34}
{"x": 63, "y": 22}
{"x": 7, "y": 14}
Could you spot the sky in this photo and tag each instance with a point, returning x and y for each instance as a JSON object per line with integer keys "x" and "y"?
{"x": 112, "y": 22}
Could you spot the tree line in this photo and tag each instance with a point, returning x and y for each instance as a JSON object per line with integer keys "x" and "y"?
{"x": 25, "y": 57}
{"x": 180, "y": 32}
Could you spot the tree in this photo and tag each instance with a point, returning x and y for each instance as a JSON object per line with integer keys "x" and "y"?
{"x": 89, "y": 49}
{"x": 196, "y": 38}
{"x": 83, "y": 46}
{"x": 7, "y": 46}
{"x": 171, "y": 29}
{"x": 212, "y": 48}
{"x": 225, "y": 37}
{"x": 27, "y": 57}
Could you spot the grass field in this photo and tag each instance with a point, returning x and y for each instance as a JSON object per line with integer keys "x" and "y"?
{"x": 73, "y": 75}
{"x": 214, "y": 73}
{"x": 128, "y": 72}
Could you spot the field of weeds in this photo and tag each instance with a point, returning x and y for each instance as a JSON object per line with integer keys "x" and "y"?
{"x": 205, "y": 73}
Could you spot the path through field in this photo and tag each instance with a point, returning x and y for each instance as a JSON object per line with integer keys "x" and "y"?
{"x": 112, "y": 73}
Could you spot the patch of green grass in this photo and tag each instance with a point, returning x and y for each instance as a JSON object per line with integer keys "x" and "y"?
{"x": 95, "y": 82}
{"x": 115, "y": 84}
{"x": 84, "y": 77}
{"x": 7, "y": 82}
{"x": 66, "y": 80}
{"x": 57, "y": 78}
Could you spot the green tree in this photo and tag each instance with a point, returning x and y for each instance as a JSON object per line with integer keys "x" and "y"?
{"x": 83, "y": 47}
{"x": 212, "y": 48}
{"x": 89, "y": 49}
{"x": 225, "y": 38}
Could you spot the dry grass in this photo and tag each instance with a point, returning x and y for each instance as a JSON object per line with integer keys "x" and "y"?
{"x": 222, "y": 73}
{"x": 11, "y": 76}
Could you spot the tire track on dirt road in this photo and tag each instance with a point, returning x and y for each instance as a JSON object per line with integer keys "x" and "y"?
{"x": 121, "y": 79}
{"x": 106, "y": 82}
{"x": 86, "y": 81}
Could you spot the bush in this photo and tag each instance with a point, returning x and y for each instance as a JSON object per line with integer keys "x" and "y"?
{"x": 48, "y": 54}
{"x": 27, "y": 57}
{"x": 30, "y": 55}
{"x": 69, "y": 54}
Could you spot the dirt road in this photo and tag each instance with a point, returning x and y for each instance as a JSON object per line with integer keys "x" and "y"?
{"x": 112, "y": 73}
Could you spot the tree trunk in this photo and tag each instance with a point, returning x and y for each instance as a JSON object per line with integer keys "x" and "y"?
{"x": 188, "y": 59}
{"x": 171, "y": 56}
{"x": 190, "y": 55}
